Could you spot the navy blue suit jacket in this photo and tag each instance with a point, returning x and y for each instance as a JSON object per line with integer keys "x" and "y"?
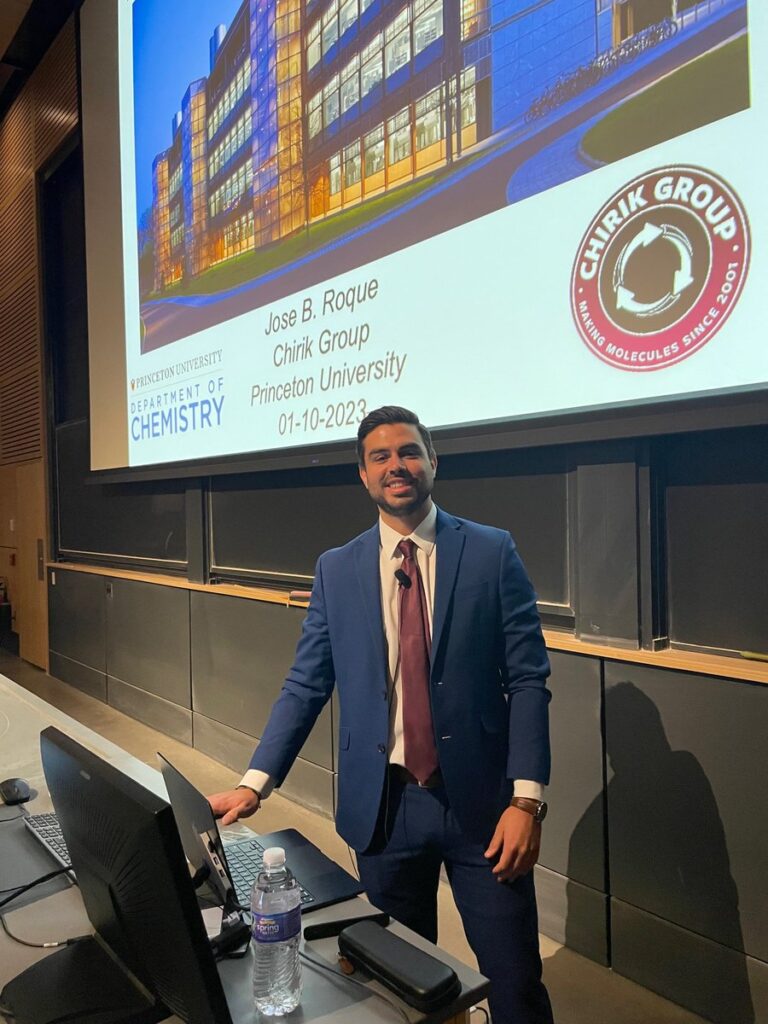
{"x": 488, "y": 672}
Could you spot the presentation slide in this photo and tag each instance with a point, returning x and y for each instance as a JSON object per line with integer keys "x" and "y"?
{"x": 485, "y": 210}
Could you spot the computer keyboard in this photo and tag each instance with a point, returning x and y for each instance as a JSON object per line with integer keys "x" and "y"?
{"x": 244, "y": 858}
{"x": 45, "y": 828}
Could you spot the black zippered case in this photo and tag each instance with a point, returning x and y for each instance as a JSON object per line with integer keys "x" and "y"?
{"x": 419, "y": 979}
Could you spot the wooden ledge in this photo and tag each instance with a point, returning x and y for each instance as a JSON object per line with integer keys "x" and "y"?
{"x": 681, "y": 661}
{"x": 228, "y": 589}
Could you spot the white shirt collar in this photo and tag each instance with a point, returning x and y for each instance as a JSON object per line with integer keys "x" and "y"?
{"x": 423, "y": 536}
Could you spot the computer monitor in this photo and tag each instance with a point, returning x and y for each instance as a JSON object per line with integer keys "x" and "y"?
{"x": 150, "y": 955}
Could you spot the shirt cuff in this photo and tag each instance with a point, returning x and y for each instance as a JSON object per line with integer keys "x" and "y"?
{"x": 527, "y": 788}
{"x": 259, "y": 781}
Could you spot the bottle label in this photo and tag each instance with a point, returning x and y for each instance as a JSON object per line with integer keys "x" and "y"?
{"x": 276, "y": 927}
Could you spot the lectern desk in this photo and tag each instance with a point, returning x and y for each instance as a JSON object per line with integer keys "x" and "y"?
{"x": 326, "y": 998}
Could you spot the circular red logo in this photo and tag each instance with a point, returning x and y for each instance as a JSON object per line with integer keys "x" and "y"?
{"x": 660, "y": 268}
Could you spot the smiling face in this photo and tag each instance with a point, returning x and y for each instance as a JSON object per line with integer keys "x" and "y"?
{"x": 398, "y": 474}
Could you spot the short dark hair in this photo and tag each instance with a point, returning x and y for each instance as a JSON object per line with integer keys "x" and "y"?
{"x": 388, "y": 414}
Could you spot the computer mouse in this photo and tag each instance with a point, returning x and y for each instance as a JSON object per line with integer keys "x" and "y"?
{"x": 15, "y": 791}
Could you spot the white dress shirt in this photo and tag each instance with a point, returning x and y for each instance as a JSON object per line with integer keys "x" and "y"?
{"x": 390, "y": 561}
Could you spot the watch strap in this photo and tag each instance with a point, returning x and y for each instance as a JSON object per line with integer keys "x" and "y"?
{"x": 536, "y": 808}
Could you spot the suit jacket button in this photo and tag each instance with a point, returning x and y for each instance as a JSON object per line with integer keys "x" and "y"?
{"x": 381, "y": 748}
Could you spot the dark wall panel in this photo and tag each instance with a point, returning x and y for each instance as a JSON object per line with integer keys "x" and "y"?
{"x": 241, "y": 652}
{"x": 307, "y": 783}
{"x": 221, "y": 742}
{"x": 81, "y": 676}
{"x": 607, "y": 602}
{"x": 162, "y": 715}
{"x": 720, "y": 984}
{"x": 281, "y": 522}
{"x": 114, "y": 521}
{"x": 717, "y": 539}
{"x": 521, "y": 492}
{"x": 77, "y": 617}
{"x": 687, "y": 801}
{"x": 575, "y": 915}
{"x": 148, "y": 638}
{"x": 573, "y": 841}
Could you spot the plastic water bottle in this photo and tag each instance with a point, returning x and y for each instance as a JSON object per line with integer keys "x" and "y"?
{"x": 276, "y": 909}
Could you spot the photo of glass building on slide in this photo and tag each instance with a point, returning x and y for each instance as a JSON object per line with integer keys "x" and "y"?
{"x": 320, "y": 121}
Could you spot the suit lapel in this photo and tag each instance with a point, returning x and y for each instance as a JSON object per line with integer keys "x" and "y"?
{"x": 449, "y": 539}
{"x": 367, "y": 568}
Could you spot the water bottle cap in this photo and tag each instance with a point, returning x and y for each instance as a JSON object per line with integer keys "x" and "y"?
{"x": 274, "y": 857}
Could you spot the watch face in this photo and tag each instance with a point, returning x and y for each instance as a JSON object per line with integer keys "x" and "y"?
{"x": 541, "y": 813}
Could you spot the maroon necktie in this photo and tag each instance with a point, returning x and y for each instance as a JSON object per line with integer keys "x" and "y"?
{"x": 420, "y": 754}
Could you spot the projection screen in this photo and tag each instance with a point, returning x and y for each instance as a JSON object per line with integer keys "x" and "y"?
{"x": 491, "y": 211}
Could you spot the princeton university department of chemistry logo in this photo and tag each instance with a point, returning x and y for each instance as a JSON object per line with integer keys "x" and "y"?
{"x": 660, "y": 268}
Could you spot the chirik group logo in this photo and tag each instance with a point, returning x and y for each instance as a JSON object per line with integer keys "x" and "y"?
{"x": 660, "y": 268}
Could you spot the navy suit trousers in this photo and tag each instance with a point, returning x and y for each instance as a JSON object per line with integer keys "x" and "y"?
{"x": 416, "y": 833}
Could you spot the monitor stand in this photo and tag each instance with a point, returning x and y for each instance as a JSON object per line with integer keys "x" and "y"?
{"x": 235, "y": 934}
{"x": 79, "y": 983}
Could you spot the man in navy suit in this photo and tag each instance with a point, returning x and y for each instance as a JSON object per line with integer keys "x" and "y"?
{"x": 443, "y": 732}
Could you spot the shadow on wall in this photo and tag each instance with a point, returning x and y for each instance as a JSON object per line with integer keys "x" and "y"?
{"x": 667, "y": 856}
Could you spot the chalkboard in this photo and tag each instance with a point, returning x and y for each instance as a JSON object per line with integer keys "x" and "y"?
{"x": 275, "y": 525}
{"x": 144, "y": 522}
{"x": 526, "y": 493}
{"x": 717, "y": 539}
{"x": 132, "y": 523}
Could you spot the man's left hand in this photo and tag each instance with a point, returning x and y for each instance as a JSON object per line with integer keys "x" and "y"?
{"x": 515, "y": 844}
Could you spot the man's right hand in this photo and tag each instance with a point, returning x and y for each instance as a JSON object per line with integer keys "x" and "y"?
{"x": 234, "y": 804}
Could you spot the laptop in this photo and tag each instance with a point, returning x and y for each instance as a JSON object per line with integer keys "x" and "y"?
{"x": 230, "y": 868}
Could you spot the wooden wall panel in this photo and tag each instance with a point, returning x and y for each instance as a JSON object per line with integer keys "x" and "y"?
{"x": 8, "y": 507}
{"x": 19, "y": 325}
{"x": 32, "y": 611}
{"x": 20, "y": 417}
{"x": 16, "y": 147}
{"x": 54, "y": 96}
{"x": 8, "y": 521}
{"x": 18, "y": 231}
{"x": 8, "y": 572}
{"x": 41, "y": 118}
{"x": 21, "y": 364}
